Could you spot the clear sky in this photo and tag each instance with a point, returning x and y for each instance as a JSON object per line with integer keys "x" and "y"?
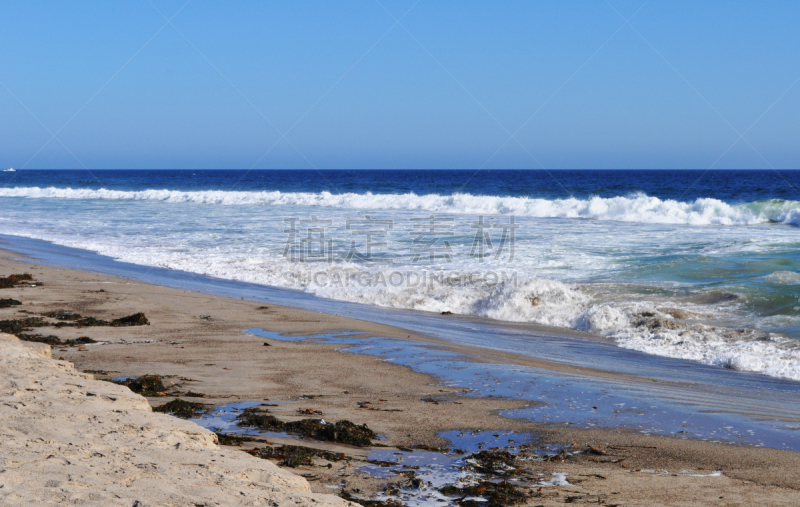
{"x": 400, "y": 84}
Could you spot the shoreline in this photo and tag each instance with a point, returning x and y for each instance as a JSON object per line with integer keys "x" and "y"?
{"x": 199, "y": 336}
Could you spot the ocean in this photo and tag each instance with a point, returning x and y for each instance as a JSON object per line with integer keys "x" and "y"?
{"x": 697, "y": 265}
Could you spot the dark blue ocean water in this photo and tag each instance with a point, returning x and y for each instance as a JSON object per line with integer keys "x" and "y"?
{"x": 684, "y": 185}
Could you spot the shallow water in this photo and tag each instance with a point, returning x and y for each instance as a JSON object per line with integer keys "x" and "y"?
{"x": 682, "y": 410}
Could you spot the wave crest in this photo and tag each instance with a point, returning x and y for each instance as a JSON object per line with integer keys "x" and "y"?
{"x": 633, "y": 208}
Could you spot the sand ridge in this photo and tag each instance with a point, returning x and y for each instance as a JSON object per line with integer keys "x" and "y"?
{"x": 68, "y": 439}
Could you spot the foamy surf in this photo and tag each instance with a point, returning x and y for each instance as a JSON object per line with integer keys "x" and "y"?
{"x": 658, "y": 327}
{"x": 638, "y": 207}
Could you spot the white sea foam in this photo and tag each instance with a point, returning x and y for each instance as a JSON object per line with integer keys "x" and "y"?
{"x": 784, "y": 277}
{"x": 632, "y": 208}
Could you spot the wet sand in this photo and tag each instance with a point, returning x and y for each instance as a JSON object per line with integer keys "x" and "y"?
{"x": 196, "y": 341}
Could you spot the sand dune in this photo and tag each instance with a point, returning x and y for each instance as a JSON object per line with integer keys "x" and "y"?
{"x": 69, "y": 439}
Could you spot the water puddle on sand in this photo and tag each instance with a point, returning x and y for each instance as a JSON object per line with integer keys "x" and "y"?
{"x": 483, "y": 467}
{"x": 222, "y": 419}
{"x": 657, "y": 408}
{"x": 477, "y": 466}
{"x": 451, "y": 476}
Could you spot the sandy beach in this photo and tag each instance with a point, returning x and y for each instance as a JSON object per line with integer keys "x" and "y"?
{"x": 195, "y": 342}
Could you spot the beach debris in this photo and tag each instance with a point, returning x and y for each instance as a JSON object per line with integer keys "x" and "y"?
{"x": 146, "y": 385}
{"x": 595, "y": 450}
{"x": 294, "y": 456}
{"x": 17, "y": 326}
{"x": 411, "y": 481}
{"x": 51, "y": 340}
{"x": 63, "y": 315}
{"x": 55, "y": 341}
{"x": 12, "y": 281}
{"x": 183, "y": 409}
{"x": 343, "y": 431}
{"x": 231, "y": 439}
{"x": 495, "y": 494}
{"x": 8, "y": 303}
{"x": 493, "y": 462}
{"x": 67, "y": 318}
{"x": 137, "y": 319}
{"x": 192, "y": 394}
{"x": 370, "y": 503}
{"x": 561, "y": 456}
{"x": 309, "y": 411}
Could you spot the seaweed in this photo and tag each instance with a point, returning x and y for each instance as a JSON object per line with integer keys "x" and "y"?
{"x": 252, "y": 418}
{"x": 67, "y": 318}
{"x": 344, "y": 431}
{"x": 183, "y": 409}
{"x": 8, "y": 303}
{"x": 370, "y": 503}
{"x": 17, "y": 326}
{"x": 229, "y": 439}
{"x": 294, "y": 456}
{"x": 137, "y": 319}
{"x": 146, "y": 385}
{"x": 411, "y": 481}
{"x": 493, "y": 462}
{"x": 83, "y": 340}
{"x": 496, "y": 494}
{"x": 38, "y": 338}
{"x": 54, "y": 341}
{"x": 62, "y": 315}
{"x": 14, "y": 280}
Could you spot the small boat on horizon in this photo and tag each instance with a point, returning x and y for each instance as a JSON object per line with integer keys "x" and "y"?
{"x": 10, "y": 170}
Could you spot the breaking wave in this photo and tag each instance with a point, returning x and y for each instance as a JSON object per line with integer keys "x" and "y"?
{"x": 632, "y": 208}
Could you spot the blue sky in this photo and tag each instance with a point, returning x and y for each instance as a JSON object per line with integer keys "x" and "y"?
{"x": 301, "y": 84}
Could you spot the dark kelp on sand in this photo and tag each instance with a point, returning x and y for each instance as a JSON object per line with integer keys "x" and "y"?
{"x": 8, "y": 303}
{"x": 370, "y": 503}
{"x": 295, "y": 455}
{"x": 183, "y": 409}
{"x": 146, "y": 385}
{"x": 12, "y": 281}
{"x": 494, "y": 494}
{"x": 21, "y": 327}
{"x": 343, "y": 432}
{"x": 71, "y": 319}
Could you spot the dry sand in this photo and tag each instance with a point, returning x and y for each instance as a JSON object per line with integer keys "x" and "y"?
{"x": 68, "y": 439}
{"x": 199, "y": 337}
